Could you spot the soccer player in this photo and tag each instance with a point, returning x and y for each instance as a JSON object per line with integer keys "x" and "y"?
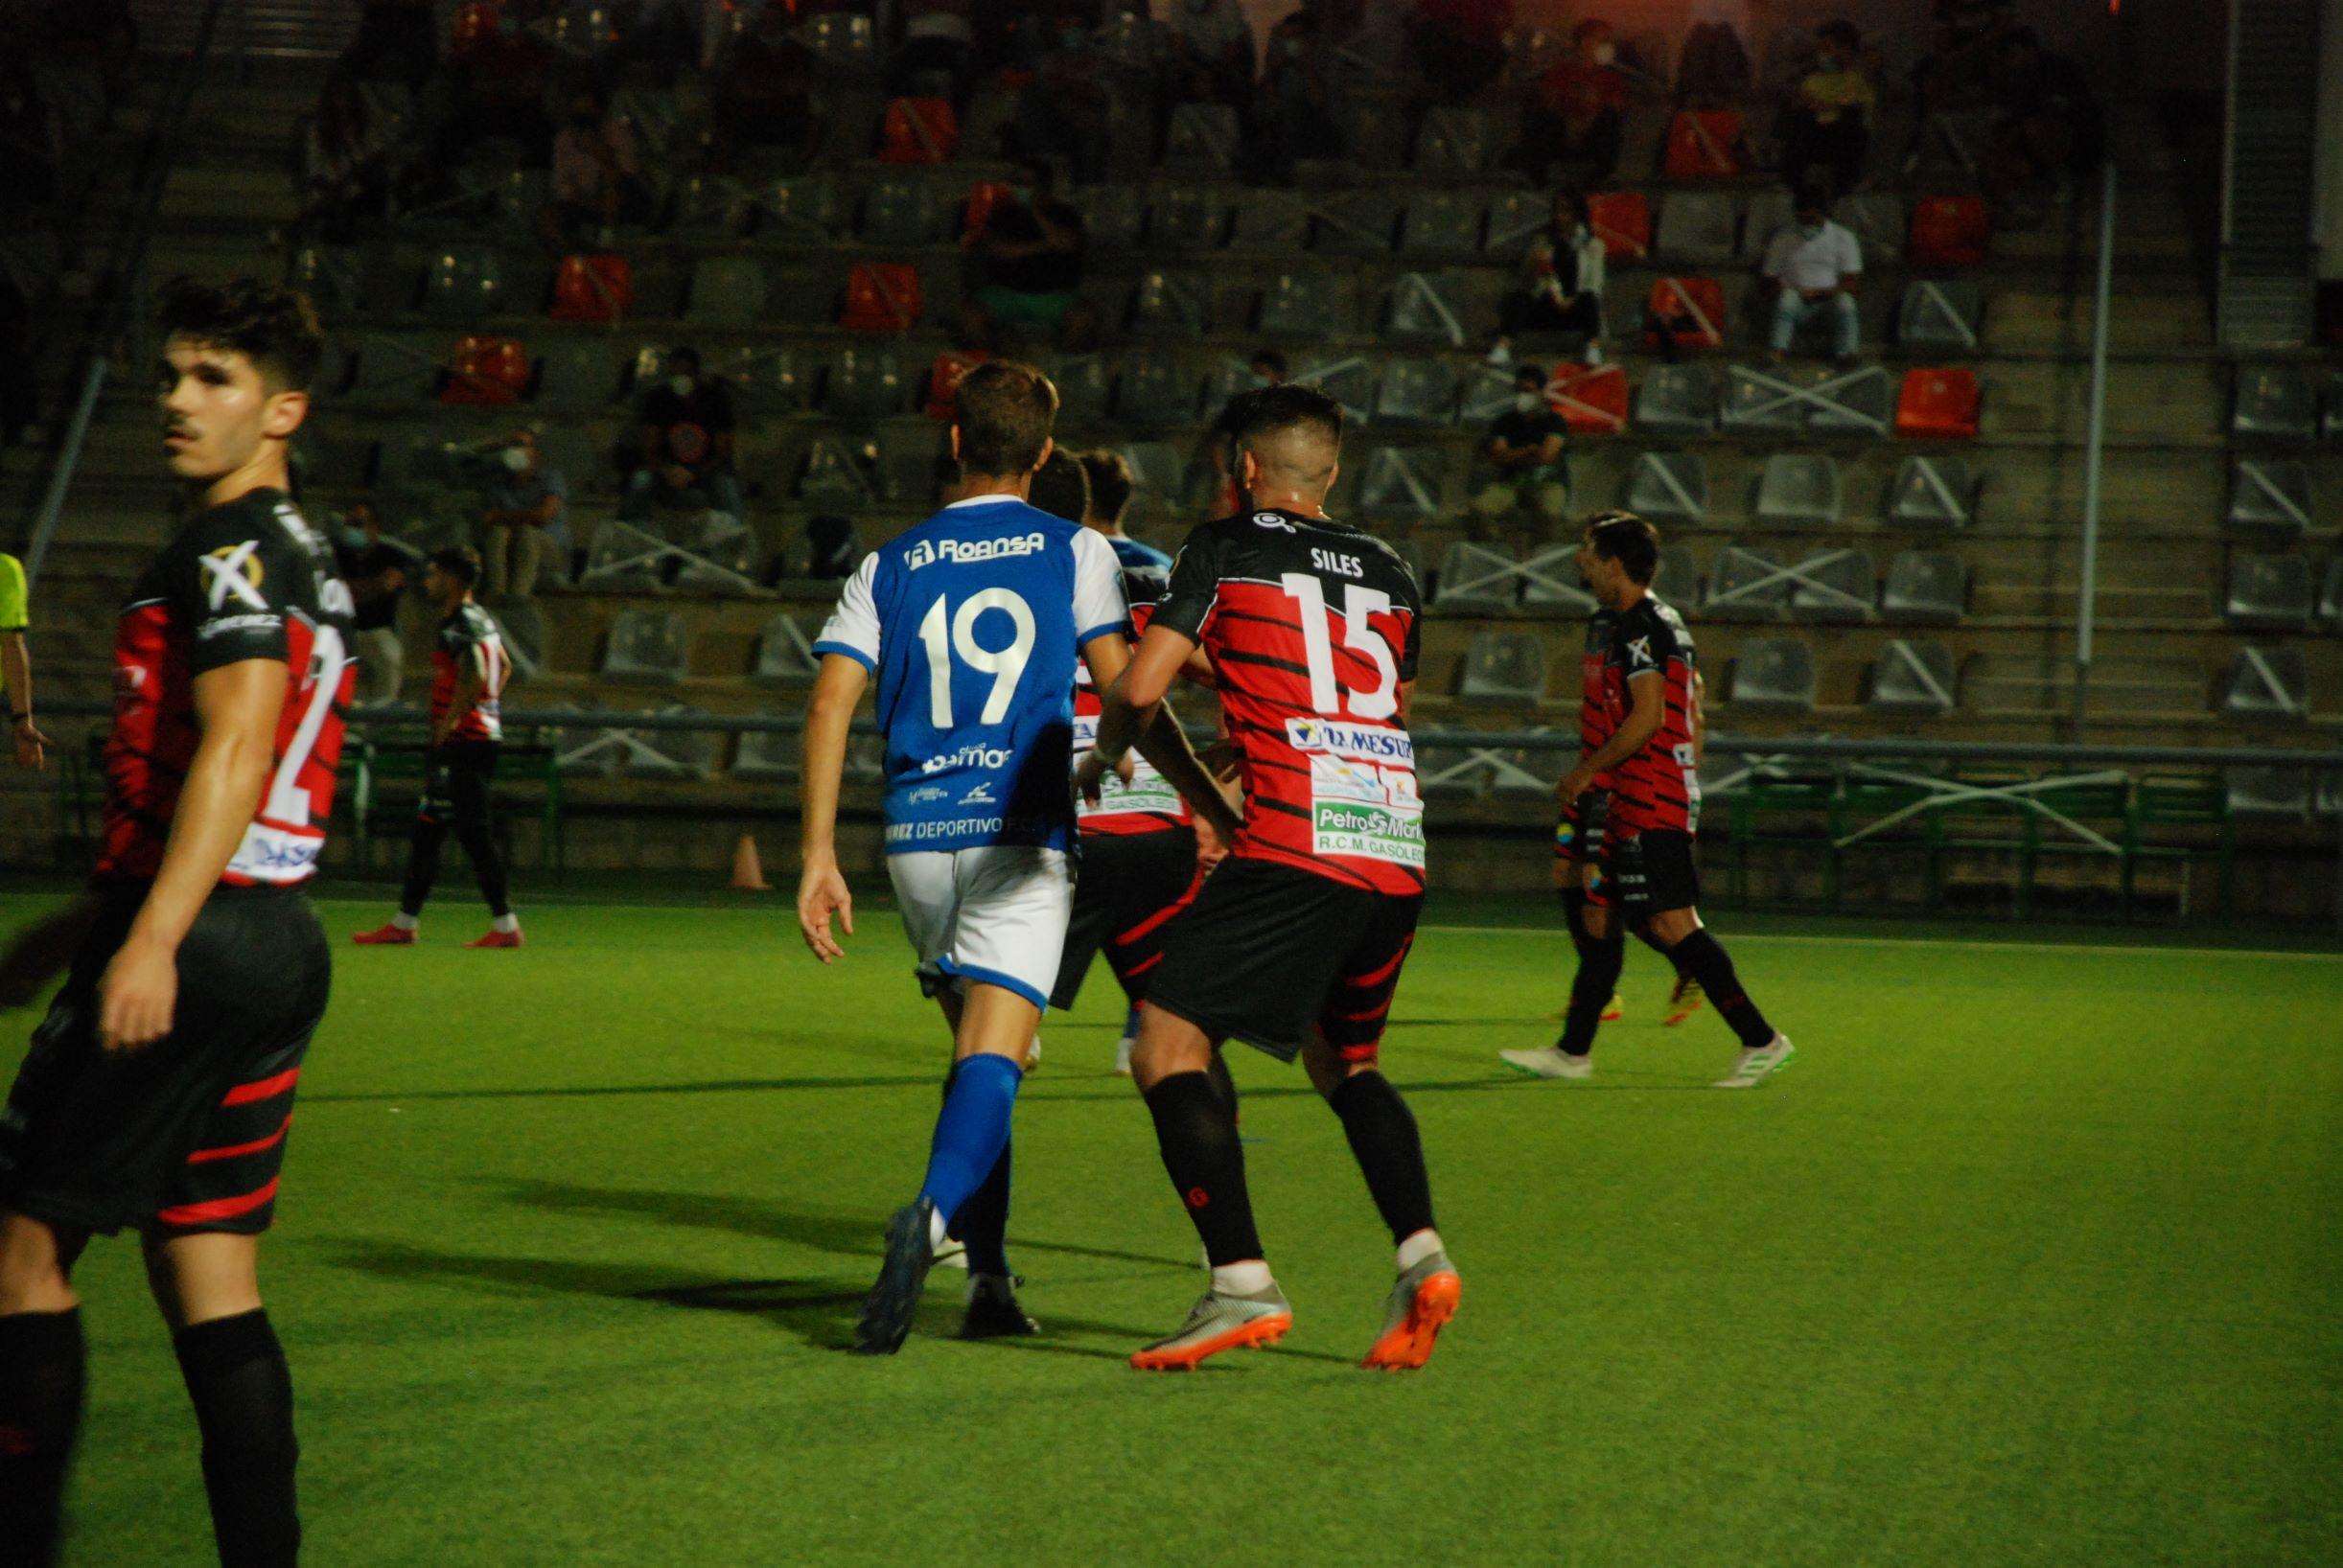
{"x": 469, "y": 670}
{"x": 1649, "y": 680}
{"x": 1295, "y": 943}
{"x": 16, "y": 668}
{"x": 160, "y": 1088}
{"x": 972, "y": 622}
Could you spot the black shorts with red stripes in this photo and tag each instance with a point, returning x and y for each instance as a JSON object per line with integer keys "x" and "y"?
{"x": 1267, "y": 950}
{"x": 189, "y": 1133}
{"x": 1652, "y": 874}
{"x": 1128, "y": 888}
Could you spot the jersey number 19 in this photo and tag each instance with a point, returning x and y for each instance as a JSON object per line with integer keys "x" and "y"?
{"x": 944, "y": 633}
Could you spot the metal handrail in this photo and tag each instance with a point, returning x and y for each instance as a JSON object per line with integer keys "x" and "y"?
{"x": 2095, "y": 440}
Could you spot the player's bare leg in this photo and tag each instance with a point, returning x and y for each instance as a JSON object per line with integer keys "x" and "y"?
{"x": 1695, "y": 954}
{"x": 41, "y": 1372}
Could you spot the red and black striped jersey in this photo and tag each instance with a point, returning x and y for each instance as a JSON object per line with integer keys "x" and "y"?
{"x": 468, "y": 641}
{"x": 1595, "y": 720}
{"x": 245, "y": 580}
{"x": 1147, "y": 803}
{"x": 1312, "y": 626}
{"x": 1657, "y": 789}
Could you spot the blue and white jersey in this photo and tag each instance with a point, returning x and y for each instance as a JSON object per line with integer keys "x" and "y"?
{"x": 1146, "y": 572}
{"x": 973, "y": 622}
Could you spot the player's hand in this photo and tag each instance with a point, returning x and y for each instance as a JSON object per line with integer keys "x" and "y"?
{"x": 1574, "y": 784}
{"x": 822, "y": 893}
{"x": 1090, "y": 774}
{"x": 30, "y": 742}
{"x": 1219, "y": 759}
{"x": 1211, "y": 848}
{"x": 137, "y": 995}
{"x": 40, "y": 951}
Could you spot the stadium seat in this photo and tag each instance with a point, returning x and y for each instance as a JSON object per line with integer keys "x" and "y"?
{"x": 1678, "y": 578}
{"x": 1835, "y": 585}
{"x": 1692, "y": 310}
{"x": 1304, "y": 304}
{"x": 1450, "y": 773}
{"x": 1747, "y": 583}
{"x": 727, "y": 291}
{"x": 486, "y": 370}
{"x": 1355, "y": 222}
{"x": 1703, "y": 143}
{"x": 1774, "y": 675}
{"x": 1770, "y": 211}
{"x": 918, "y": 130}
{"x": 1157, "y": 389}
{"x": 1203, "y": 138}
{"x": 714, "y": 207}
{"x": 593, "y": 288}
{"x": 1948, "y": 232}
{"x": 1189, "y": 218}
{"x": 944, "y": 374}
{"x": 803, "y": 209}
{"x": 1477, "y": 579}
{"x": 2276, "y": 402}
{"x": 1762, "y": 399}
{"x": 1350, "y": 380}
{"x": 904, "y": 465}
{"x": 1677, "y": 399}
{"x": 881, "y": 297}
{"x": 1925, "y": 585}
{"x": 985, "y": 198}
{"x": 1876, "y": 220}
{"x": 716, "y": 550}
{"x": 1860, "y": 398}
{"x": 1173, "y": 305}
{"x": 1668, "y": 486}
{"x": 1798, "y": 490}
{"x": 1513, "y": 219}
{"x": 646, "y": 648}
{"x": 1912, "y": 678}
{"x": 621, "y": 557}
{"x": 1622, "y": 219}
{"x": 464, "y": 284}
{"x": 768, "y": 757}
{"x": 1112, "y": 216}
{"x": 1427, "y": 308}
{"x": 1417, "y": 391}
{"x": 901, "y": 212}
{"x": 837, "y": 475}
{"x": 784, "y": 654}
{"x": 1933, "y": 492}
{"x": 1268, "y": 221}
{"x": 2270, "y": 496}
{"x": 1591, "y": 398}
{"x": 576, "y": 373}
{"x": 841, "y": 41}
{"x": 1940, "y": 313}
{"x": 1507, "y": 666}
{"x": 1937, "y": 404}
{"x": 1550, "y": 579}
{"x": 866, "y": 383}
{"x": 2270, "y": 593}
{"x": 1086, "y": 383}
{"x": 2330, "y": 408}
{"x": 1404, "y": 484}
{"x": 2267, "y": 683}
{"x": 2282, "y": 792}
{"x": 2330, "y": 596}
{"x": 1452, "y": 145}
{"x": 1442, "y": 223}
{"x": 1696, "y": 226}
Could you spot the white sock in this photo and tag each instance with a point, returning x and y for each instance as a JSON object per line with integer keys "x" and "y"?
{"x": 508, "y": 924}
{"x": 1247, "y": 1279}
{"x": 404, "y": 921}
{"x": 937, "y": 1225}
{"x": 1419, "y": 1247}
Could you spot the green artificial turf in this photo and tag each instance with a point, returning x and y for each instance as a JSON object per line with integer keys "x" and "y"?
{"x": 2031, "y": 1258}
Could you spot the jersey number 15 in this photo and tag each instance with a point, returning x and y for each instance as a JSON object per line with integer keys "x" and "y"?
{"x": 1358, "y": 637}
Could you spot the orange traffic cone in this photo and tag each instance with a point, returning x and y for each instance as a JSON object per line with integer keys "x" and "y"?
{"x": 748, "y": 871}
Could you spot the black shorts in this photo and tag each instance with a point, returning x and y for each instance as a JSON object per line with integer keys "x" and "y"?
{"x": 188, "y": 1134}
{"x": 1267, "y": 950}
{"x": 1129, "y": 887}
{"x": 1652, "y": 874}
{"x": 455, "y": 780}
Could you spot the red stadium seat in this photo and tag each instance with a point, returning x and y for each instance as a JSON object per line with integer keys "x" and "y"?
{"x": 593, "y": 288}
{"x": 1703, "y": 143}
{"x": 881, "y": 297}
{"x": 1591, "y": 398}
{"x": 487, "y": 369}
{"x": 1948, "y": 232}
{"x": 1938, "y": 406}
{"x": 919, "y": 130}
{"x": 475, "y": 22}
{"x": 985, "y": 198}
{"x": 1692, "y": 309}
{"x": 1622, "y": 219}
{"x": 944, "y": 378}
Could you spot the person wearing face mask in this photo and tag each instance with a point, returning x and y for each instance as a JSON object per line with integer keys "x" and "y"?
{"x": 597, "y": 177}
{"x": 1523, "y": 454}
{"x": 1578, "y": 116}
{"x": 525, "y": 520}
{"x": 377, "y": 570}
{"x": 1029, "y": 266}
{"x": 1559, "y": 285}
{"x": 686, "y": 445}
{"x": 1815, "y": 267}
{"x": 1828, "y": 125}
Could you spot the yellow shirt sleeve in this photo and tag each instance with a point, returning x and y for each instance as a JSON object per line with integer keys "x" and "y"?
{"x": 12, "y": 597}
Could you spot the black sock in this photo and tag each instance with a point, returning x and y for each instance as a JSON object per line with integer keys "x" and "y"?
{"x": 1223, "y": 1084}
{"x": 1198, "y": 1131}
{"x": 41, "y": 1359}
{"x": 243, "y": 1393}
{"x": 1599, "y": 963}
{"x": 1382, "y": 1135}
{"x": 1700, "y": 957}
{"x": 422, "y": 864}
{"x": 983, "y": 1222}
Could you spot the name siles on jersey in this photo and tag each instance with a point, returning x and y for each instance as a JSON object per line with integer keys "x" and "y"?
{"x": 968, "y": 552}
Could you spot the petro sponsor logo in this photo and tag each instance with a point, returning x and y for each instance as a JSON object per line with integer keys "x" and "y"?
{"x": 967, "y": 552}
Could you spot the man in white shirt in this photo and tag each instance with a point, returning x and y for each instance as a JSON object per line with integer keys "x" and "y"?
{"x": 1814, "y": 267}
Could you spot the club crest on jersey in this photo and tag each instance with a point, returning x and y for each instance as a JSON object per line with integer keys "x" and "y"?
{"x": 961, "y": 552}
{"x": 1641, "y": 648}
{"x": 235, "y": 569}
{"x": 1270, "y": 519}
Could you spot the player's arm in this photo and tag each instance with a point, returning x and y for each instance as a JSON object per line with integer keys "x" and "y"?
{"x": 1648, "y": 696}
{"x": 1133, "y": 712}
{"x": 237, "y": 708}
{"x": 16, "y": 680}
{"x": 821, "y": 888}
{"x": 1699, "y": 718}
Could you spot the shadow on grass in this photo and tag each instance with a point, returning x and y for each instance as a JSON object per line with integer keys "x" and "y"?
{"x": 713, "y": 1086}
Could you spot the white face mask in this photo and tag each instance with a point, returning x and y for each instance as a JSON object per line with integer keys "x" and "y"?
{"x": 680, "y": 385}
{"x": 517, "y": 459}
{"x": 1527, "y": 403}
{"x": 1606, "y": 53}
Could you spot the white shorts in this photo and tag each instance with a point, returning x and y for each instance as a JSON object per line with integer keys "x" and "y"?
{"x": 995, "y": 915}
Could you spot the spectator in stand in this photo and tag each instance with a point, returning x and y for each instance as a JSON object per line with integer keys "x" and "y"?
{"x": 938, "y": 42}
{"x": 1967, "y": 32}
{"x": 1304, "y": 106}
{"x": 1712, "y": 68}
{"x": 1828, "y": 122}
{"x": 2050, "y": 126}
{"x": 1065, "y": 113}
{"x": 1814, "y": 267}
{"x": 524, "y": 518}
{"x": 1212, "y": 54}
{"x": 764, "y": 96}
{"x": 686, "y": 445}
{"x": 398, "y": 40}
{"x": 1029, "y": 266}
{"x": 377, "y": 570}
{"x": 1267, "y": 368}
{"x": 1559, "y": 285}
{"x": 597, "y": 182}
{"x": 1578, "y": 116}
{"x": 1459, "y": 45}
{"x": 830, "y": 550}
{"x": 1523, "y": 456}
{"x": 497, "y": 89}
{"x": 345, "y": 161}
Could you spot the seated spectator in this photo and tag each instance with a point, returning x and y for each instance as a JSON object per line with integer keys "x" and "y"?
{"x": 1815, "y": 267}
{"x": 1029, "y": 266}
{"x": 524, "y": 518}
{"x": 1712, "y": 68}
{"x": 686, "y": 445}
{"x": 345, "y": 160}
{"x": 1523, "y": 456}
{"x": 397, "y": 40}
{"x": 1212, "y": 54}
{"x": 1066, "y": 112}
{"x": 2050, "y": 126}
{"x": 597, "y": 179}
{"x": 1559, "y": 285}
{"x": 1578, "y": 115}
{"x": 1267, "y": 368}
{"x": 1304, "y": 110}
{"x": 378, "y": 570}
{"x": 830, "y": 550}
{"x": 1829, "y": 122}
{"x": 497, "y": 89}
{"x": 764, "y": 96}
{"x": 938, "y": 45}
{"x": 1459, "y": 45}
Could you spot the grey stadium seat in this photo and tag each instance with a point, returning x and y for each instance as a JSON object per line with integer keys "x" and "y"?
{"x": 1202, "y": 136}
{"x": 1268, "y": 221}
{"x": 578, "y": 373}
{"x": 2267, "y": 683}
{"x": 1191, "y": 217}
{"x": 2331, "y": 595}
{"x": 1507, "y": 665}
{"x": 771, "y": 381}
{"x": 1550, "y": 581}
{"x": 1427, "y": 308}
{"x": 1513, "y": 219}
{"x": 2275, "y": 400}
{"x": 866, "y": 383}
{"x": 784, "y": 654}
{"x": 2272, "y": 591}
{"x": 1798, "y": 489}
{"x": 768, "y": 755}
{"x": 2270, "y": 496}
{"x": 1857, "y": 400}
{"x": 671, "y": 753}
{"x": 1770, "y": 211}
{"x": 901, "y": 211}
{"x": 1418, "y": 391}
{"x": 2268, "y": 791}
{"x": 1751, "y": 403}
{"x": 464, "y": 284}
{"x": 802, "y": 209}
{"x": 1441, "y": 223}
{"x": 727, "y": 291}
{"x": 1452, "y": 144}
{"x": 1358, "y": 222}
{"x": 1112, "y": 215}
{"x": 1174, "y": 305}
{"x": 1304, "y": 304}
{"x": 1669, "y": 485}
{"x": 647, "y": 648}
{"x": 1747, "y": 583}
{"x": 1914, "y": 678}
{"x": 1403, "y": 483}
{"x": 1695, "y": 226}
{"x": 1350, "y": 380}
{"x": 834, "y": 474}
{"x": 1774, "y": 675}
{"x": 1676, "y": 399}
{"x": 1877, "y": 220}
{"x": 619, "y": 557}
{"x": 1157, "y": 389}
{"x": 1085, "y": 384}
{"x": 1477, "y": 579}
{"x": 1835, "y": 585}
{"x": 1678, "y": 578}
{"x": 1926, "y": 586}
{"x": 1934, "y": 492}
{"x": 1940, "y": 313}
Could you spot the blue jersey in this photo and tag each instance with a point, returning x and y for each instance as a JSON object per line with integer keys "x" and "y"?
{"x": 973, "y": 622}
{"x": 1146, "y": 572}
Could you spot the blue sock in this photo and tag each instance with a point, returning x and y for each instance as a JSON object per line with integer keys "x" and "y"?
{"x": 970, "y": 1131}
{"x": 1130, "y": 1023}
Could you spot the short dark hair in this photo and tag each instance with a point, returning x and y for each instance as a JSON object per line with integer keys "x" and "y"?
{"x": 460, "y": 562}
{"x": 681, "y": 353}
{"x": 1061, "y": 487}
{"x": 272, "y": 325}
{"x": 1005, "y": 412}
{"x": 1111, "y": 483}
{"x": 1627, "y": 538}
{"x": 1274, "y": 359}
{"x": 1524, "y": 373}
{"x": 1294, "y": 406}
{"x": 1842, "y": 34}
